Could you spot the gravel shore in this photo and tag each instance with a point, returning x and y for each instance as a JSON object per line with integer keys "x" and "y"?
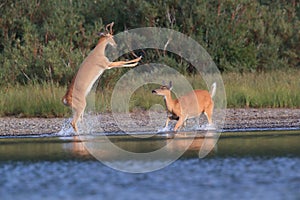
{"x": 235, "y": 119}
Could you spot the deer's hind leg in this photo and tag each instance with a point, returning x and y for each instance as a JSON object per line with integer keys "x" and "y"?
{"x": 78, "y": 115}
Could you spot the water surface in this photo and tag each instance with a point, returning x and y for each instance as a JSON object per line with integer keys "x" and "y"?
{"x": 238, "y": 167}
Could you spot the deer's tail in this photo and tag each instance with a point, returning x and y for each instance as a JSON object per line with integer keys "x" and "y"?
{"x": 213, "y": 89}
{"x": 67, "y": 100}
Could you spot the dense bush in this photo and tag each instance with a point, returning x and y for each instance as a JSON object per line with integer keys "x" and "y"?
{"x": 47, "y": 40}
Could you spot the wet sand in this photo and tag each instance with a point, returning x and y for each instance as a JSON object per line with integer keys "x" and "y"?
{"x": 235, "y": 119}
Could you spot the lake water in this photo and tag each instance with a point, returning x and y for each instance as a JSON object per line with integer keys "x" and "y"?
{"x": 260, "y": 165}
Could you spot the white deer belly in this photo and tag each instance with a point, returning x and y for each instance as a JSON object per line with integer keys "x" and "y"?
{"x": 93, "y": 81}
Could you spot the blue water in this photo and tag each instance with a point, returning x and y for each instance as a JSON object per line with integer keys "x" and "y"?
{"x": 215, "y": 178}
{"x": 233, "y": 171}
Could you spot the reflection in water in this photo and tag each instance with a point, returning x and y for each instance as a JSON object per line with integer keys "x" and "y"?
{"x": 77, "y": 147}
{"x": 195, "y": 144}
{"x": 134, "y": 154}
{"x": 58, "y": 148}
{"x": 160, "y": 146}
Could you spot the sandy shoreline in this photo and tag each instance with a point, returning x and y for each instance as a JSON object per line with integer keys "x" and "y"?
{"x": 235, "y": 119}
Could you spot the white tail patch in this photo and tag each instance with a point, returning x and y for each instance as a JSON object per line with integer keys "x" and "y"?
{"x": 65, "y": 101}
{"x": 213, "y": 89}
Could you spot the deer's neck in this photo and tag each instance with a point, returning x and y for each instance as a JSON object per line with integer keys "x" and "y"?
{"x": 170, "y": 103}
{"x": 100, "y": 48}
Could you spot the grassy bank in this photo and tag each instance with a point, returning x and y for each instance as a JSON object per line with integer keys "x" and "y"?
{"x": 275, "y": 89}
{"x": 272, "y": 90}
{"x": 34, "y": 100}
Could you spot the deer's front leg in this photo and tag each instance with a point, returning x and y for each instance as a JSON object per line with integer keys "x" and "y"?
{"x": 179, "y": 123}
{"x": 167, "y": 122}
{"x": 130, "y": 63}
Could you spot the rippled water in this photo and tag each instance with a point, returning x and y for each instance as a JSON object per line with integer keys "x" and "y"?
{"x": 260, "y": 167}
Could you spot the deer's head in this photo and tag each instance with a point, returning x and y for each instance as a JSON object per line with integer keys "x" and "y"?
{"x": 164, "y": 90}
{"x": 108, "y": 35}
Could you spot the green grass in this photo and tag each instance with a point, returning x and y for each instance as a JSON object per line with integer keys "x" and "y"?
{"x": 34, "y": 100}
{"x": 275, "y": 89}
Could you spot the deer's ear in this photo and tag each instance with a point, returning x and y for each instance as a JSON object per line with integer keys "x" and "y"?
{"x": 170, "y": 85}
{"x": 101, "y": 34}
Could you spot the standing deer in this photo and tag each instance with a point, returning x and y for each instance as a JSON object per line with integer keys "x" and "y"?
{"x": 188, "y": 106}
{"x": 90, "y": 70}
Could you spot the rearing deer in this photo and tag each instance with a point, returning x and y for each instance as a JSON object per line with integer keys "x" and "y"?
{"x": 90, "y": 70}
{"x": 188, "y": 106}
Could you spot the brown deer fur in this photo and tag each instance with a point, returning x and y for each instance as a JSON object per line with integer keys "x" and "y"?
{"x": 188, "y": 106}
{"x": 89, "y": 71}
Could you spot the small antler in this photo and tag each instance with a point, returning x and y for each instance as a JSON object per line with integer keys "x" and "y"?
{"x": 110, "y": 28}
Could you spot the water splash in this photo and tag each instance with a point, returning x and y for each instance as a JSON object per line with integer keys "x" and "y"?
{"x": 66, "y": 129}
{"x": 208, "y": 127}
{"x": 165, "y": 129}
{"x": 197, "y": 127}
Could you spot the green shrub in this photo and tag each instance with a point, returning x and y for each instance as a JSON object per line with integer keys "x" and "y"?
{"x": 47, "y": 40}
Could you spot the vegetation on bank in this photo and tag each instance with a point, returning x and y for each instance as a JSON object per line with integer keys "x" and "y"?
{"x": 32, "y": 100}
{"x": 45, "y": 41}
{"x": 275, "y": 89}
{"x": 254, "y": 43}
